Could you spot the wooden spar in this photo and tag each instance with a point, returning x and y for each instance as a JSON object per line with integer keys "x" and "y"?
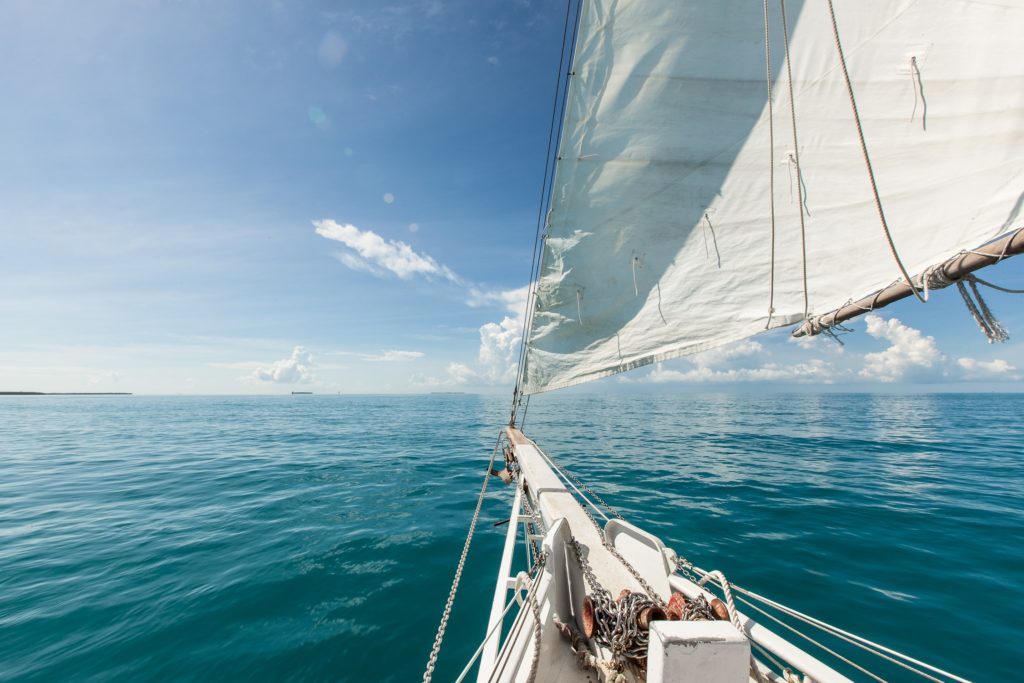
{"x": 952, "y": 270}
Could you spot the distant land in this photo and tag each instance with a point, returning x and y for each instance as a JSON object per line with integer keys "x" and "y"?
{"x": 65, "y": 393}
{"x": 447, "y": 393}
{"x": 302, "y": 393}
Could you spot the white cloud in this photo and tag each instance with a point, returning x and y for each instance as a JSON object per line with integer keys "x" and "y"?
{"x": 499, "y": 350}
{"x": 394, "y": 356}
{"x": 374, "y": 254}
{"x": 493, "y": 61}
{"x": 909, "y": 350}
{"x": 498, "y": 357}
{"x": 389, "y": 198}
{"x": 728, "y": 352}
{"x": 414, "y": 227}
{"x": 332, "y": 49}
{"x": 993, "y": 369}
{"x": 816, "y": 370}
{"x": 513, "y": 300}
{"x": 390, "y": 356}
{"x": 459, "y": 373}
{"x": 295, "y": 369}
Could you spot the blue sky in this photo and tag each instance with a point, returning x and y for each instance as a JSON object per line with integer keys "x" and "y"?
{"x": 261, "y": 196}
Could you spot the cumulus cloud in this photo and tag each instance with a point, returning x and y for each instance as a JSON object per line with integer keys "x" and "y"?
{"x": 374, "y": 254}
{"x": 459, "y": 373}
{"x": 493, "y": 61}
{"x": 993, "y": 369}
{"x": 728, "y": 352}
{"x": 297, "y": 368}
{"x": 498, "y": 357}
{"x": 909, "y": 350}
{"x": 513, "y": 300}
{"x": 332, "y": 49}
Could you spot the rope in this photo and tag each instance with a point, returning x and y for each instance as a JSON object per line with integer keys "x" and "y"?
{"x": 734, "y": 615}
{"x": 727, "y": 590}
{"x": 982, "y": 314}
{"x": 975, "y": 278}
{"x": 554, "y": 135}
{"x": 796, "y": 155}
{"x": 442, "y": 627}
{"x": 771, "y": 160}
{"x": 867, "y": 157}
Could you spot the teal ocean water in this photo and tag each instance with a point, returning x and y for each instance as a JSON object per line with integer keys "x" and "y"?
{"x": 314, "y": 537}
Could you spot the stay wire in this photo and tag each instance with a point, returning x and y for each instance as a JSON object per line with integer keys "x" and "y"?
{"x": 554, "y": 133}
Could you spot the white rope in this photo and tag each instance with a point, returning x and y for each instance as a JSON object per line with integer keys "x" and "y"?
{"x": 982, "y": 314}
{"x": 867, "y": 157}
{"x": 734, "y": 615}
{"x": 436, "y": 649}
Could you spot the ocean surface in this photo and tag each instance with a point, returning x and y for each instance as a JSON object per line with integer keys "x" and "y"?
{"x": 314, "y": 538}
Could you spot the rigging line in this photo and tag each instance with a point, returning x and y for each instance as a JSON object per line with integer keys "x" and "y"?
{"x": 977, "y": 279}
{"x": 823, "y": 647}
{"x": 771, "y": 159}
{"x": 835, "y": 630}
{"x": 476, "y": 655}
{"x": 554, "y": 133}
{"x": 442, "y": 627}
{"x": 796, "y": 155}
{"x": 855, "y": 643}
{"x": 558, "y": 469}
{"x": 867, "y": 158}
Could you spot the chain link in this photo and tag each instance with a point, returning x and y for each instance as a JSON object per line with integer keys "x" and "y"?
{"x": 443, "y": 626}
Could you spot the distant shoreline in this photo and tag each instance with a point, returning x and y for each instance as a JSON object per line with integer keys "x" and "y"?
{"x": 65, "y": 393}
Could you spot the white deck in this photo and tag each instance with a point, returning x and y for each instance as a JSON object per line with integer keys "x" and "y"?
{"x": 560, "y": 586}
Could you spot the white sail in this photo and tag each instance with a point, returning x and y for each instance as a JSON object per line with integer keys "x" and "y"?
{"x": 659, "y": 236}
